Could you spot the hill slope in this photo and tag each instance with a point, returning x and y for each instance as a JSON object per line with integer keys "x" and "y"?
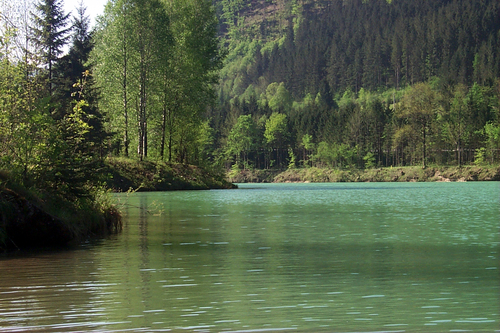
{"x": 316, "y": 46}
{"x": 344, "y": 73}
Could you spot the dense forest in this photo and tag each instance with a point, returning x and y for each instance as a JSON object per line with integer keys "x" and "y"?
{"x": 142, "y": 79}
{"x": 359, "y": 83}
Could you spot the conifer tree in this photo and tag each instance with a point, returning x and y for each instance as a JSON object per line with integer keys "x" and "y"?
{"x": 77, "y": 73}
{"x": 70, "y": 69}
{"x": 51, "y": 34}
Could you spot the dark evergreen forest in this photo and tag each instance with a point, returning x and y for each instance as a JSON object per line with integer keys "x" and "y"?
{"x": 359, "y": 83}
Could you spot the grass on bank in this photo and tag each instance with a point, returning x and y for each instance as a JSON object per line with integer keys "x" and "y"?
{"x": 126, "y": 174}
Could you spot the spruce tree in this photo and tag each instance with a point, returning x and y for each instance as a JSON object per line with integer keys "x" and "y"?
{"x": 73, "y": 69}
{"x": 79, "y": 74}
{"x": 50, "y": 34}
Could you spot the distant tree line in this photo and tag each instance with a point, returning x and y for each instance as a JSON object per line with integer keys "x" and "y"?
{"x": 364, "y": 83}
{"x": 428, "y": 122}
{"x": 329, "y": 46}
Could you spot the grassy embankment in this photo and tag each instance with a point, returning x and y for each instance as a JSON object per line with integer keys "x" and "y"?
{"x": 126, "y": 174}
{"x": 396, "y": 174}
{"x": 29, "y": 218}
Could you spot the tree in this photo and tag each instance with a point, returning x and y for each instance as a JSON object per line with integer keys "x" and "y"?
{"x": 276, "y": 134}
{"x": 50, "y": 34}
{"x": 193, "y": 72}
{"x": 453, "y": 120}
{"x": 72, "y": 72}
{"x": 307, "y": 145}
{"x": 111, "y": 58}
{"x": 479, "y": 113}
{"x": 419, "y": 108}
{"x": 71, "y": 68}
{"x": 26, "y": 128}
{"x": 242, "y": 139}
{"x": 492, "y": 133}
{"x": 280, "y": 99}
{"x": 74, "y": 154}
{"x": 163, "y": 58}
{"x": 130, "y": 44}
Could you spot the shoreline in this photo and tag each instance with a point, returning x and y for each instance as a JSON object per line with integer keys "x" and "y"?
{"x": 29, "y": 221}
{"x": 388, "y": 174}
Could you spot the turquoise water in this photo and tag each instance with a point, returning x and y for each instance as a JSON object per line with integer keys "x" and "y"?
{"x": 371, "y": 257}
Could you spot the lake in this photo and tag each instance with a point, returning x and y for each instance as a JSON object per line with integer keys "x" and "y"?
{"x": 364, "y": 257}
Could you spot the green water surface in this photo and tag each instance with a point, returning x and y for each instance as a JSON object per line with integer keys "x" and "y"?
{"x": 381, "y": 257}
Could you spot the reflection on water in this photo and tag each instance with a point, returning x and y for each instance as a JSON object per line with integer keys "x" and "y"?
{"x": 307, "y": 258}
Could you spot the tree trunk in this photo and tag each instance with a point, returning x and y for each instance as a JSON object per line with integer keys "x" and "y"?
{"x": 140, "y": 136}
{"x": 124, "y": 90}
{"x": 143, "y": 76}
{"x": 423, "y": 148}
{"x": 170, "y": 146}
{"x": 163, "y": 131}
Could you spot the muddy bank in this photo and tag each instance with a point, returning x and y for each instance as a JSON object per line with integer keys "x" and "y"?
{"x": 28, "y": 220}
{"x": 24, "y": 223}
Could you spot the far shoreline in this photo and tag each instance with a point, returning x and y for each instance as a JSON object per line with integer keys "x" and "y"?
{"x": 386, "y": 174}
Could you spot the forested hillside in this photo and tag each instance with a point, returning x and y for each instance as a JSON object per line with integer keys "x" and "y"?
{"x": 359, "y": 83}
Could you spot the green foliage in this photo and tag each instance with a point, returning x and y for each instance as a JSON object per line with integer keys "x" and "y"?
{"x": 370, "y": 160}
{"x": 425, "y": 122}
{"x": 50, "y": 34}
{"x": 307, "y": 142}
{"x": 50, "y": 130}
{"x": 276, "y": 130}
{"x": 242, "y": 138}
{"x": 132, "y": 175}
{"x": 278, "y": 98}
{"x": 308, "y": 146}
{"x": 366, "y": 87}
{"x": 292, "y": 159}
{"x": 492, "y": 134}
{"x": 453, "y": 116}
{"x": 480, "y": 156}
{"x": 311, "y": 44}
{"x": 157, "y": 64}
{"x": 235, "y": 170}
{"x": 419, "y": 111}
{"x": 336, "y": 156}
